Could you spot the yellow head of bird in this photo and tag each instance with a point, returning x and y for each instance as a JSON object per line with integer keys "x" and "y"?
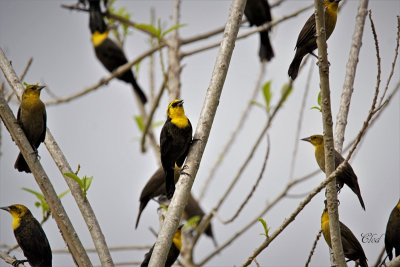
{"x": 32, "y": 90}
{"x": 175, "y": 109}
{"x": 178, "y": 237}
{"x": 331, "y": 3}
{"x": 315, "y": 140}
{"x": 17, "y": 211}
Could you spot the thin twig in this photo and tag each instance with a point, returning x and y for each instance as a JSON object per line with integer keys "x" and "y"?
{"x": 234, "y": 133}
{"x": 254, "y": 187}
{"x": 313, "y": 248}
{"x": 10, "y": 260}
{"x": 263, "y": 27}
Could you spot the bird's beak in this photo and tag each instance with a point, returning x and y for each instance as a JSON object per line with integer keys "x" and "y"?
{"x": 306, "y": 139}
{"x": 5, "y": 208}
{"x": 41, "y": 87}
{"x": 179, "y": 103}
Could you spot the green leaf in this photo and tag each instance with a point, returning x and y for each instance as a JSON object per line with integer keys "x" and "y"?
{"x": 192, "y": 222}
{"x": 266, "y": 229}
{"x": 257, "y": 104}
{"x": 288, "y": 92}
{"x": 150, "y": 28}
{"x": 319, "y": 98}
{"x": 74, "y": 177}
{"x": 317, "y": 108}
{"x": 63, "y": 193}
{"x": 157, "y": 124}
{"x": 172, "y": 29}
{"x": 139, "y": 122}
{"x": 266, "y": 89}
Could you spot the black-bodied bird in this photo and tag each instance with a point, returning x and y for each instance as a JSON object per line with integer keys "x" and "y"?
{"x": 156, "y": 187}
{"x": 307, "y": 39}
{"x": 258, "y": 13}
{"x": 173, "y": 251}
{"x": 352, "y": 249}
{"x": 30, "y": 237}
{"x": 32, "y": 119}
{"x": 107, "y": 51}
{"x": 392, "y": 235}
{"x": 175, "y": 141}
{"x": 347, "y": 176}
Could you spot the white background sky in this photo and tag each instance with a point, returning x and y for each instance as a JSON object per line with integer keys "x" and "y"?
{"x": 98, "y": 132}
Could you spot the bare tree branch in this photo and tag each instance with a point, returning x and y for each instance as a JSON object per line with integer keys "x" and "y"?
{"x": 351, "y": 67}
{"x": 10, "y": 260}
{"x": 313, "y": 248}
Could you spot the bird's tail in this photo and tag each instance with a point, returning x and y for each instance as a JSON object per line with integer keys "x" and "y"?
{"x": 139, "y": 91}
{"x": 21, "y": 165}
{"x": 294, "y": 67}
{"x": 96, "y": 21}
{"x": 141, "y": 208}
{"x": 266, "y": 52}
{"x": 169, "y": 183}
{"x": 358, "y": 193}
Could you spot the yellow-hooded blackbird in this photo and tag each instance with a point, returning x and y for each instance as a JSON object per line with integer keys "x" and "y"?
{"x": 258, "y": 13}
{"x": 352, "y": 249}
{"x": 32, "y": 119}
{"x": 175, "y": 141}
{"x": 30, "y": 236}
{"x": 307, "y": 40}
{"x": 347, "y": 176}
{"x": 156, "y": 187}
{"x": 392, "y": 236}
{"x": 107, "y": 51}
{"x": 173, "y": 251}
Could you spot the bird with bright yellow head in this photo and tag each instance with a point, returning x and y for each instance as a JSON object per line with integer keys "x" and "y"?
{"x": 32, "y": 119}
{"x": 30, "y": 237}
{"x": 307, "y": 39}
{"x": 175, "y": 141}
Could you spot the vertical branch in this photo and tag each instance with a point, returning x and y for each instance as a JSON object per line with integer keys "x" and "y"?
{"x": 351, "y": 67}
{"x": 63, "y": 165}
{"x": 174, "y": 64}
{"x": 331, "y": 194}
{"x": 63, "y": 222}
{"x": 202, "y": 133}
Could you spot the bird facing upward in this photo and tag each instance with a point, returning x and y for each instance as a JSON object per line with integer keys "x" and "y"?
{"x": 175, "y": 141}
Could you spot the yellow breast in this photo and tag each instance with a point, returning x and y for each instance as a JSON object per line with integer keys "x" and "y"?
{"x": 98, "y": 38}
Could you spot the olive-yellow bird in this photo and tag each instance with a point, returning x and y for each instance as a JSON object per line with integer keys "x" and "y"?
{"x": 347, "y": 176}
{"x": 392, "y": 235}
{"x": 352, "y": 249}
{"x": 32, "y": 119}
{"x": 307, "y": 39}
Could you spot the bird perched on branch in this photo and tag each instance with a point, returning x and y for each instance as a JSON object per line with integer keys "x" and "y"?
{"x": 107, "y": 51}
{"x": 347, "y": 176}
{"x": 173, "y": 251}
{"x": 156, "y": 187}
{"x": 30, "y": 237}
{"x": 32, "y": 119}
{"x": 258, "y": 13}
{"x": 175, "y": 141}
{"x": 307, "y": 39}
{"x": 392, "y": 236}
{"x": 352, "y": 249}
